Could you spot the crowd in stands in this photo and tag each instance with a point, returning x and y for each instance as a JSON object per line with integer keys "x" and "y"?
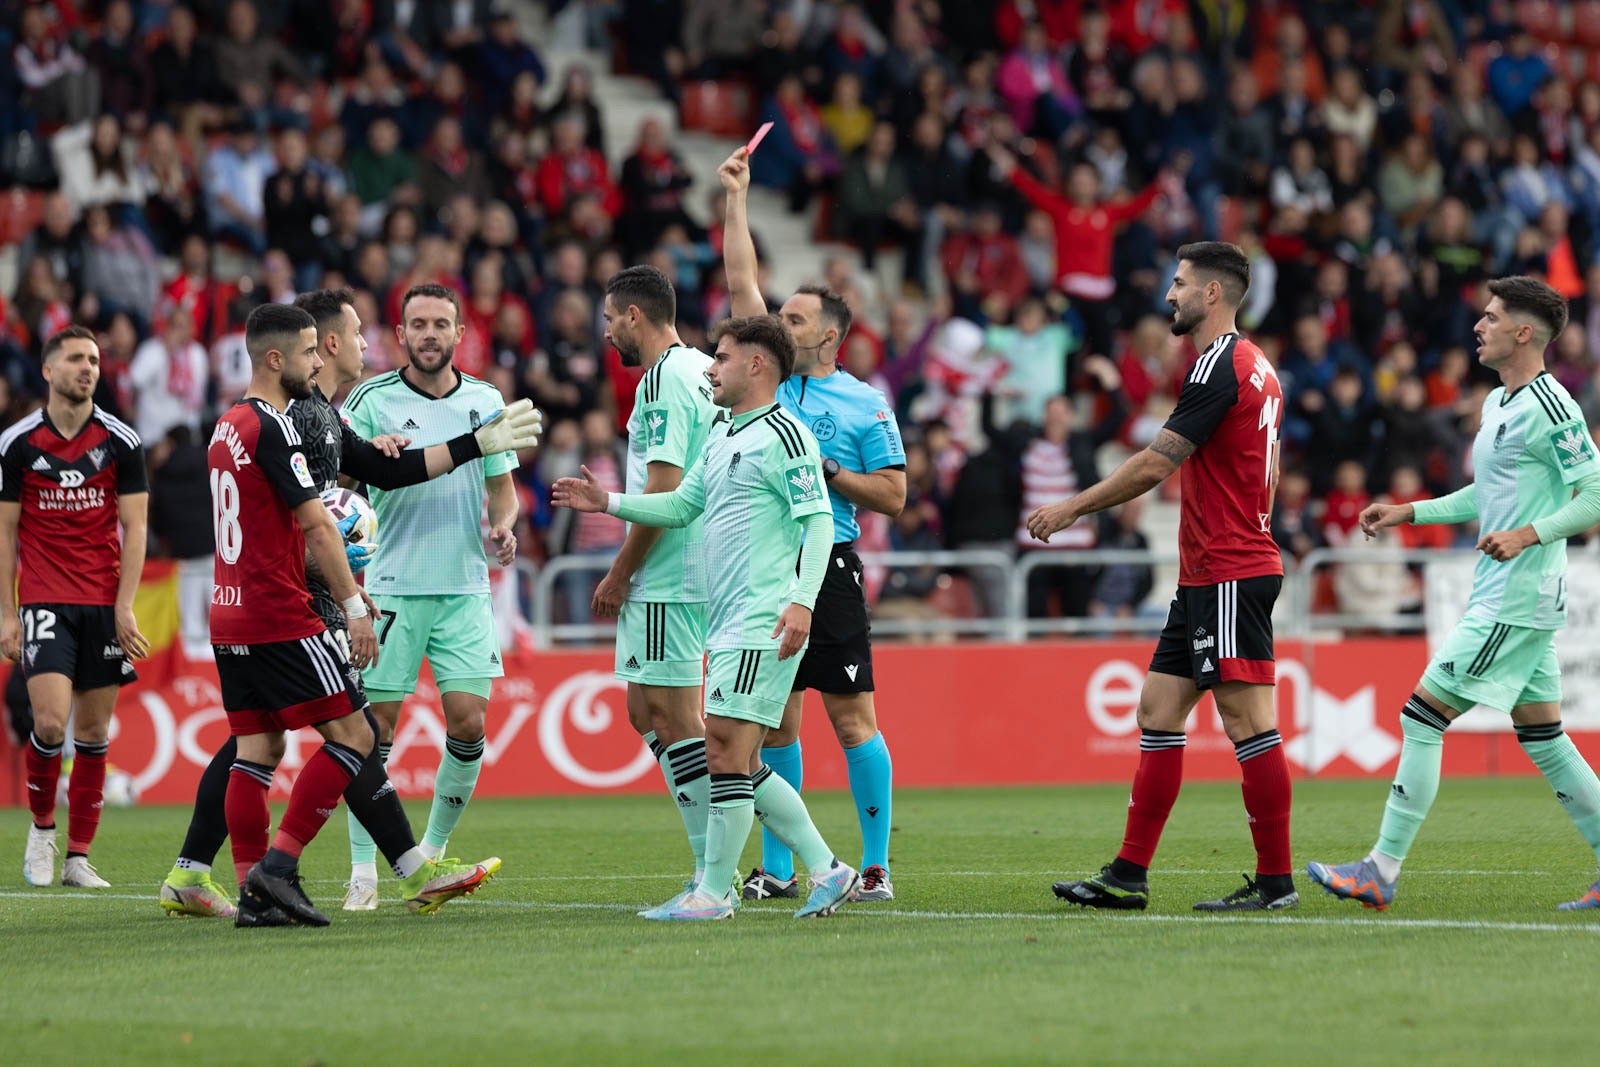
{"x": 1030, "y": 166}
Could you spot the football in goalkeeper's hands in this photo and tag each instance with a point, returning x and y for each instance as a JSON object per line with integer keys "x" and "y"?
{"x": 343, "y": 503}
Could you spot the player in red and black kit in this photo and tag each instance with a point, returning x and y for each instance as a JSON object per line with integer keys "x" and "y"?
{"x": 1218, "y": 635}
{"x": 70, "y": 474}
{"x": 279, "y": 667}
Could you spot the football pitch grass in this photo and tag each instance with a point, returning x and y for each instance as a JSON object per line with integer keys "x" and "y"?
{"x": 975, "y": 962}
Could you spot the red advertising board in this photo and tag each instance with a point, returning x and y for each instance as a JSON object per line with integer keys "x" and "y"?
{"x": 955, "y": 714}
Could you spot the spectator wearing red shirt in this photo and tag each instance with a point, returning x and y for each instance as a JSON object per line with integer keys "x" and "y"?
{"x": 1405, "y": 487}
{"x": 572, "y": 169}
{"x": 984, "y": 267}
{"x": 1345, "y": 503}
{"x": 1139, "y": 25}
{"x": 1086, "y": 229}
{"x": 1058, "y": 18}
{"x": 194, "y": 288}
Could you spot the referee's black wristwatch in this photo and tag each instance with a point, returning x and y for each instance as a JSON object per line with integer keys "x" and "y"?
{"x": 830, "y": 468}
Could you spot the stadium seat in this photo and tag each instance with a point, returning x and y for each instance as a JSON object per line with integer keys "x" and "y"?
{"x": 1586, "y": 24}
{"x": 20, "y": 211}
{"x": 721, "y": 108}
{"x": 1481, "y": 53}
{"x": 1542, "y": 18}
{"x": 954, "y": 599}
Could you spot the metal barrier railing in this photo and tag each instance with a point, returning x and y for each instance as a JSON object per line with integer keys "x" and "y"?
{"x": 1297, "y": 615}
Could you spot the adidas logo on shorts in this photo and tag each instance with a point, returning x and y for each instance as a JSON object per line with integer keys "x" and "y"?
{"x": 716, "y": 695}
{"x": 632, "y": 664}
{"x": 1448, "y": 667}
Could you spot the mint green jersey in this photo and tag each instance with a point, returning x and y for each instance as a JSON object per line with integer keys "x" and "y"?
{"x": 430, "y": 536}
{"x": 1531, "y": 448}
{"x": 757, "y": 483}
{"x": 672, "y": 413}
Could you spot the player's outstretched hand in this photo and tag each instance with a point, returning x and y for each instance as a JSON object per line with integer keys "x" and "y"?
{"x": 511, "y": 429}
{"x": 363, "y": 643}
{"x": 735, "y": 171}
{"x": 795, "y": 626}
{"x": 580, "y": 494}
{"x": 11, "y": 637}
{"x": 390, "y": 444}
{"x": 1050, "y": 519}
{"x": 505, "y": 545}
{"x": 134, "y": 643}
{"x": 1503, "y": 545}
{"x": 1375, "y": 517}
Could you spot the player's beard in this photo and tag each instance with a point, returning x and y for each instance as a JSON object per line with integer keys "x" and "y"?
{"x": 1187, "y": 318}
{"x": 73, "y": 391}
{"x": 441, "y": 359}
{"x": 296, "y": 388}
{"x": 632, "y": 355}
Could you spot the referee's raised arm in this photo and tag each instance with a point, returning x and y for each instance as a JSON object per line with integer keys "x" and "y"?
{"x": 738, "y": 249}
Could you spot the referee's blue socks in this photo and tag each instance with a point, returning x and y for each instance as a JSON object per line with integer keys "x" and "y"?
{"x": 776, "y": 859}
{"x": 872, "y": 787}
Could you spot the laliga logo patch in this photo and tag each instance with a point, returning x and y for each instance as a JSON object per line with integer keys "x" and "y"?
{"x": 302, "y": 473}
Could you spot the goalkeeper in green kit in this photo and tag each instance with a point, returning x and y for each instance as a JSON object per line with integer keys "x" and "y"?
{"x": 759, "y": 487}
{"x": 1531, "y": 452}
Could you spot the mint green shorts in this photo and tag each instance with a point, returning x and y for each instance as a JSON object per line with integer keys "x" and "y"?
{"x": 661, "y": 644}
{"x": 750, "y": 684}
{"x": 1498, "y": 666}
{"x": 456, "y": 633}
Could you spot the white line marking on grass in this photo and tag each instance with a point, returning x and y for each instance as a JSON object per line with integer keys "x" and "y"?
{"x": 1368, "y": 923}
{"x": 1059, "y": 873}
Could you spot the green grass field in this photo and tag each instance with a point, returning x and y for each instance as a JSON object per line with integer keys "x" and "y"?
{"x": 974, "y": 963}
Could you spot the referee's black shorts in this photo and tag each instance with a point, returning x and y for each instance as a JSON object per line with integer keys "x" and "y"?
{"x": 839, "y": 658}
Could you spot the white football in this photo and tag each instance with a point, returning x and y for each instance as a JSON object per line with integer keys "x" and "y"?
{"x": 342, "y": 503}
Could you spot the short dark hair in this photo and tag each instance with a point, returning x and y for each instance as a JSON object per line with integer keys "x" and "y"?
{"x": 1223, "y": 262}
{"x": 763, "y": 331}
{"x": 61, "y": 337}
{"x": 1522, "y": 295}
{"x": 433, "y": 289}
{"x": 326, "y": 306}
{"x": 648, "y": 289}
{"x": 274, "y": 326}
{"x": 835, "y": 312}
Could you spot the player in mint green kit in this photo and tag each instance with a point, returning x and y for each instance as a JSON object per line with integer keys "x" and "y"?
{"x": 1532, "y": 450}
{"x": 657, "y": 584}
{"x": 864, "y": 463}
{"x": 760, "y": 488}
{"x": 431, "y": 581}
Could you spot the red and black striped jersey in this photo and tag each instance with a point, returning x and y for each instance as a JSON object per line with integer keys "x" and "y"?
{"x": 1231, "y": 407}
{"x": 259, "y": 474}
{"x": 70, "y": 542}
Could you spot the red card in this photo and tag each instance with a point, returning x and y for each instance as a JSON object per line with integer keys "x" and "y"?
{"x": 762, "y": 132}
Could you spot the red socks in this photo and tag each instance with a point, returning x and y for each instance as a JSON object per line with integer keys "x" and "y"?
{"x": 1155, "y": 790}
{"x": 1268, "y": 794}
{"x": 86, "y": 790}
{"x": 316, "y": 794}
{"x": 43, "y": 764}
{"x": 248, "y": 817}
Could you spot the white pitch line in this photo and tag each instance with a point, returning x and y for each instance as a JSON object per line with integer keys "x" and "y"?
{"x": 1371, "y": 923}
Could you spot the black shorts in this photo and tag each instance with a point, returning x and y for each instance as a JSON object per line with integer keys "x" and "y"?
{"x": 77, "y": 640}
{"x": 287, "y": 684}
{"x": 1220, "y": 633}
{"x": 839, "y": 658}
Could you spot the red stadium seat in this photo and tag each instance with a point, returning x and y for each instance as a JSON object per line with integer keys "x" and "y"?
{"x": 20, "y": 211}
{"x": 1480, "y": 54}
{"x": 722, "y": 108}
{"x": 1586, "y": 23}
{"x": 1542, "y": 18}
